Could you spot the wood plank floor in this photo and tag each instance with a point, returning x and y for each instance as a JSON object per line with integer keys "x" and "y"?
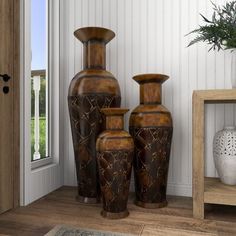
{"x": 60, "y": 207}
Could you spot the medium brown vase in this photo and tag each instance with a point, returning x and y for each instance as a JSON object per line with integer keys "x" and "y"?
{"x": 90, "y": 90}
{"x": 115, "y": 155}
{"x": 151, "y": 127}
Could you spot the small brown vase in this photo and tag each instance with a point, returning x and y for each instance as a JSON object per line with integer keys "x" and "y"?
{"x": 115, "y": 155}
{"x": 90, "y": 90}
{"x": 151, "y": 127}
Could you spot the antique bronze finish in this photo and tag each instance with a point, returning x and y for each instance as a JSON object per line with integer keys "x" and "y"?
{"x": 90, "y": 90}
{"x": 151, "y": 127}
{"x": 115, "y": 155}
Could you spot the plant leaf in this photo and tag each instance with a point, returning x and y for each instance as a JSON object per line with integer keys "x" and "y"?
{"x": 205, "y": 19}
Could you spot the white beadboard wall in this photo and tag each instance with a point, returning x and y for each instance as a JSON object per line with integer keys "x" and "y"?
{"x": 150, "y": 38}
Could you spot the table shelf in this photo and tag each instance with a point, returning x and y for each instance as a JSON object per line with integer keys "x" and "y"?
{"x": 216, "y": 192}
{"x": 207, "y": 190}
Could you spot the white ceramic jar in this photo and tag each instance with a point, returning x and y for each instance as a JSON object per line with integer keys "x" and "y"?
{"x": 224, "y": 151}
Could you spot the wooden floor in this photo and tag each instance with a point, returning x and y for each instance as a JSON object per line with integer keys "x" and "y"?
{"x": 60, "y": 207}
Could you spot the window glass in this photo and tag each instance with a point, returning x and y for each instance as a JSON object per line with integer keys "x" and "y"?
{"x": 39, "y": 80}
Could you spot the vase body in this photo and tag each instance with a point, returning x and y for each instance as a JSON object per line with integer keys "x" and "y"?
{"x": 115, "y": 155}
{"x": 224, "y": 152}
{"x": 233, "y": 68}
{"x": 90, "y": 90}
{"x": 151, "y": 127}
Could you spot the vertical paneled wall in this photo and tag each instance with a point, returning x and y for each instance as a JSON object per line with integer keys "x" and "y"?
{"x": 150, "y": 38}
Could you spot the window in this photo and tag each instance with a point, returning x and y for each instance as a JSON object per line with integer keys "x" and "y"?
{"x": 40, "y": 149}
{"x": 39, "y": 177}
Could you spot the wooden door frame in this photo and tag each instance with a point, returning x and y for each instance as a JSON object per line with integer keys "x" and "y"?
{"x": 16, "y": 105}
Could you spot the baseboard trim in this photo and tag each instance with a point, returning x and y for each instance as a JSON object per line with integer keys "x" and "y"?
{"x": 179, "y": 190}
{"x": 184, "y": 190}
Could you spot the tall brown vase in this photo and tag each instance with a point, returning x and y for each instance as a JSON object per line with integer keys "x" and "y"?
{"x": 90, "y": 90}
{"x": 115, "y": 155}
{"x": 151, "y": 127}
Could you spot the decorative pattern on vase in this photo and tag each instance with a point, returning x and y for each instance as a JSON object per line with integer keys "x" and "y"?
{"x": 86, "y": 124}
{"x": 115, "y": 148}
{"x": 115, "y": 173}
{"x": 150, "y": 125}
{"x": 90, "y": 90}
{"x": 151, "y": 163}
{"x": 224, "y": 151}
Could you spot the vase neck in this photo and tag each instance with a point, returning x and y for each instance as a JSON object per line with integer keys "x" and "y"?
{"x": 115, "y": 122}
{"x": 150, "y": 93}
{"x": 114, "y": 118}
{"x": 94, "y": 55}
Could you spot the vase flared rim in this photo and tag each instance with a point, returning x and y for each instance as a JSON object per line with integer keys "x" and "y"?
{"x": 148, "y": 78}
{"x": 114, "y": 111}
{"x": 86, "y": 34}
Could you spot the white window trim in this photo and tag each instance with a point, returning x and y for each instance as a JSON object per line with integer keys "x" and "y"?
{"x": 51, "y": 75}
{"x": 38, "y": 182}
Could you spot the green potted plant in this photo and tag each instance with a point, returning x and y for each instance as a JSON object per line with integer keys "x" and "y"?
{"x": 220, "y": 32}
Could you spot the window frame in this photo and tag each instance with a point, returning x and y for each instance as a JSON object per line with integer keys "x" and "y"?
{"x": 52, "y": 92}
{"x": 38, "y": 182}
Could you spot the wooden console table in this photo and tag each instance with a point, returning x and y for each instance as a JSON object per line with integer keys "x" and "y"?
{"x": 207, "y": 190}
